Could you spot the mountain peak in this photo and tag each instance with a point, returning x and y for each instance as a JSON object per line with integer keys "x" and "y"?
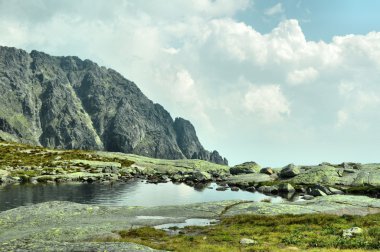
{"x": 69, "y": 103}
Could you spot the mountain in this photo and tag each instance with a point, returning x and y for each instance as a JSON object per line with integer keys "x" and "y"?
{"x": 69, "y": 103}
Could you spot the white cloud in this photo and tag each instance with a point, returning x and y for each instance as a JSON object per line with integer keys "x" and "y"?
{"x": 267, "y": 102}
{"x": 170, "y": 50}
{"x": 275, "y": 10}
{"x": 306, "y": 75}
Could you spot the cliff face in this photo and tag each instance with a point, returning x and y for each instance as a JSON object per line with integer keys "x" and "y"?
{"x": 189, "y": 144}
{"x": 64, "y": 102}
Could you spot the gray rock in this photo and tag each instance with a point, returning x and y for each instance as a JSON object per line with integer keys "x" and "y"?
{"x": 201, "y": 176}
{"x": 351, "y": 232}
{"x": 316, "y": 192}
{"x": 289, "y": 171}
{"x": 250, "y": 189}
{"x": 335, "y": 191}
{"x": 332, "y": 204}
{"x": 286, "y": 187}
{"x": 247, "y": 241}
{"x": 321, "y": 188}
{"x": 235, "y": 189}
{"x": 267, "y": 170}
{"x": 221, "y": 188}
{"x": 350, "y": 166}
{"x": 307, "y": 197}
{"x": 67, "y": 103}
{"x": 51, "y": 246}
{"x": 268, "y": 189}
{"x": 245, "y": 168}
{"x": 252, "y": 178}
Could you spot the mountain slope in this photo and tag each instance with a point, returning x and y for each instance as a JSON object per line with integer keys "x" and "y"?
{"x": 64, "y": 102}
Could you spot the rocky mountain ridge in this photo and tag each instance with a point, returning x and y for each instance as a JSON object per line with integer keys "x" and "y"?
{"x": 69, "y": 103}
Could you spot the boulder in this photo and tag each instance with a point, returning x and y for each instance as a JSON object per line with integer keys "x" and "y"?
{"x": 351, "y": 232}
{"x": 319, "y": 174}
{"x": 268, "y": 189}
{"x": 247, "y": 241}
{"x": 221, "y": 188}
{"x": 289, "y": 171}
{"x": 235, "y": 189}
{"x": 201, "y": 176}
{"x": 245, "y": 180}
{"x": 348, "y": 165}
{"x": 245, "y": 168}
{"x": 316, "y": 189}
{"x": 335, "y": 191}
{"x": 250, "y": 189}
{"x": 267, "y": 170}
{"x": 286, "y": 187}
{"x": 315, "y": 192}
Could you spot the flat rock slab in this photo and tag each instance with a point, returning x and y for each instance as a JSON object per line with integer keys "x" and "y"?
{"x": 30, "y": 228}
{"x": 249, "y": 178}
{"x": 334, "y": 204}
{"x": 47, "y": 246}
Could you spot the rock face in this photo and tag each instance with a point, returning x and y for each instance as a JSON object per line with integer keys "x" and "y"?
{"x": 189, "y": 144}
{"x": 64, "y": 102}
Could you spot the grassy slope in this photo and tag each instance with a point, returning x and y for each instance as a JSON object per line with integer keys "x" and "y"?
{"x": 163, "y": 165}
{"x": 26, "y": 161}
{"x": 318, "y": 232}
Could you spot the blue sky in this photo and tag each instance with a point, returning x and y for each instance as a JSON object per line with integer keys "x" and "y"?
{"x": 320, "y": 20}
{"x": 269, "y": 81}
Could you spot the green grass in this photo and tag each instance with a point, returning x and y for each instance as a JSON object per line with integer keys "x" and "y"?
{"x": 26, "y": 161}
{"x": 317, "y": 232}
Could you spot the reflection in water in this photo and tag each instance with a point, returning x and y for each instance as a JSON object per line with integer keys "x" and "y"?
{"x": 134, "y": 193}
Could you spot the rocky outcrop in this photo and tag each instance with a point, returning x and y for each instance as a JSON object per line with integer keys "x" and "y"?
{"x": 189, "y": 144}
{"x": 245, "y": 168}
{"x": 289, "y": 171}
{"x": 68, "y": 103}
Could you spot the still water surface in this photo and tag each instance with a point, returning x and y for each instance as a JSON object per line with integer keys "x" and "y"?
{"x": 135, "y": 193}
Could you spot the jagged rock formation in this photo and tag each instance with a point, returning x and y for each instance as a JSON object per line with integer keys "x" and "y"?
{"x": 189, "y": 144}
{"x": 64, "y": 102}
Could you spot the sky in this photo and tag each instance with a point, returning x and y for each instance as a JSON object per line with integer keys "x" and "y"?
{"x": 270, "y": 81}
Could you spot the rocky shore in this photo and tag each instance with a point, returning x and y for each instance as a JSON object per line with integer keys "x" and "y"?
{"x": 67, "y": 226}
{"x": 29, "y": 164}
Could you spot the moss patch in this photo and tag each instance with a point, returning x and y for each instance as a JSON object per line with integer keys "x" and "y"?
{"x": 26, "y": 161}
{"x": 316, "y": 232}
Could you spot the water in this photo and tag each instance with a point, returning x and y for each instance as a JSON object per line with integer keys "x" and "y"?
{"x": 174, "y": 228}
{"x": 136, "y": 193}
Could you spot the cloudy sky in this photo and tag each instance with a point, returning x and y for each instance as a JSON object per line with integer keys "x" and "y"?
{"x": 270, "y": 81}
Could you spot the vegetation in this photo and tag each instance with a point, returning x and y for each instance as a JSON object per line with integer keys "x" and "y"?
{"x": 25, "y": 161}
{"x": 318, "y": 232}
